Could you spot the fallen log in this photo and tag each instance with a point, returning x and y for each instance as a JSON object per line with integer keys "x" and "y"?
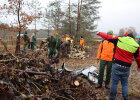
{"x": 36, "y": 73}
{"x": 30, "y": 72}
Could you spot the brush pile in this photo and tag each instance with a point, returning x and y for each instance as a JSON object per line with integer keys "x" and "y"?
{"x": 33, "y": 77}
{"x": 77, "y": 54}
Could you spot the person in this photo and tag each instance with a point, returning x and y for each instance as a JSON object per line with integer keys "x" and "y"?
{"x": 58, "y": 43}
{"x": 51, "y": 44}
{"x": 82, "y": 43}
{"x": 63, "y": 38}
{"x": 65, "y": 48}
{"x": 105, "y": 54}
{"x": 66, "y": 45}
{"x": 121, "y": 32}
{"x": 71, "y": 42}
{"x": 67, "y": 37}
{"x": 29, "y": 44}
{"x": 42, "y": 44}
{"x": 26, "y": 40}
{"x": 126, "y": 48}
{"x": 33, "y": 41}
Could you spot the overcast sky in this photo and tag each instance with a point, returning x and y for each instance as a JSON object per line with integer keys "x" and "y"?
{"x": 115, "y": 14}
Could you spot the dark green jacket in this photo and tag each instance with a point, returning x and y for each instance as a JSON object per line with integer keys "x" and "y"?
{"x": 34, "y": 39}
{"x": 26, "y": 38}
{"x": 51, "y": 42}
{"x": 58, "y": 44}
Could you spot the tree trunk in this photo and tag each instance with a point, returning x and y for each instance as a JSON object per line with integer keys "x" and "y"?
{"x": 78, "y": 19}
{"x": 70, "y": 18}
{"x": 18, "y": 38}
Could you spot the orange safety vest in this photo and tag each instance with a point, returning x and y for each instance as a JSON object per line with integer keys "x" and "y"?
{"x": 63, "y": 38}
{"x": 82, "y": 42}
{"x": 68, "y": 38}
{"x": 105, "y": 51}
{"x": 71, "y": 41}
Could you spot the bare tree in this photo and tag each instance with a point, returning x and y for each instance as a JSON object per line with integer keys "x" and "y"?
{"x": 23, "y": 18}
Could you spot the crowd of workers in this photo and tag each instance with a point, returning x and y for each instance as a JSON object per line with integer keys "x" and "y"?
{"x": 56, "y": 44}
{"x": 62, "y": 44}
{"x": 117, "y": 53}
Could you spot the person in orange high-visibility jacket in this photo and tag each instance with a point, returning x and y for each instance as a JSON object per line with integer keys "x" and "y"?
{"x": 63, "y": 38}
{"x": 71, "y": 41}
{"x": 68, "y": 37}
{"x": 82, "y": 43}
{"x": 105, "y": 55}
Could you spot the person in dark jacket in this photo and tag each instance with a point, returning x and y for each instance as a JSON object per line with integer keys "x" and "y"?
{"x": 52, "y": 45}
{"x": 65, "y": 48}
{"x": 58, "y": 43}
{"x": 126, "y": 49}
{"x": 33, "y": 41}
{"x": 26, "y": 40}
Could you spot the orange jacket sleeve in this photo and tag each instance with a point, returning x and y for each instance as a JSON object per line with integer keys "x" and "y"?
{"x": 99, "y": 51}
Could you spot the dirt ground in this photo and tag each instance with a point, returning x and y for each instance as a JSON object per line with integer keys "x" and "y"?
{"x": 134, "y": 78}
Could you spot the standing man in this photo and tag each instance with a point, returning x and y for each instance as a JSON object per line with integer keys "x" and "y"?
{"x": 67, "y": 37}
{"x": 26, "y": 41}
{"x": 68, "y": 44}
{"x": 105, "y": 55}
{"x": 58, "y": 43}
{"x": 82, "y": 43}
{"x": 126, "y": 49}
{"x": 65, "y": 47}
{"x": 33, "y": 41}
{"x": 63, "y": 38}
{"x": 52, "y": 45}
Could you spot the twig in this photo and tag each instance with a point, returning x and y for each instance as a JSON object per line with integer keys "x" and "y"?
{"x": 72, "y": 97}
{"x": 36, "y": 86}
{"x": 39, "y": 84}
{"x": 61, "y": 96}
{"x": 67, "y": 89}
